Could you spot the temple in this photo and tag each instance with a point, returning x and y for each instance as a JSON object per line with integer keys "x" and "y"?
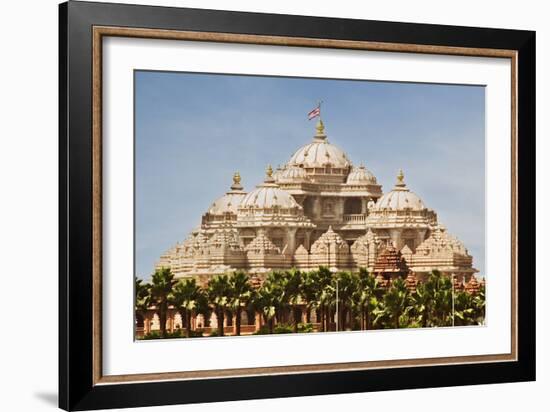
{"x": 320, "y": 210}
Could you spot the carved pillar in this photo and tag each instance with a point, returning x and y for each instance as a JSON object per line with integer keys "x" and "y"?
{"x": 339, "y": 208}
{"x": 291, "y": 240}
{"x": 317, "y": 207}
{"x": 307, "y": 239}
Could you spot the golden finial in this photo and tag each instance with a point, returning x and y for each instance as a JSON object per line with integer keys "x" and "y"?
{"x": 400, "y": 176}
{"x": 400, "y": 179}
{"x": 236, "y": 182}
{"x": 320, "y": 128}
{"x": 269, "y": 171}
{"x": 236, "y": 178}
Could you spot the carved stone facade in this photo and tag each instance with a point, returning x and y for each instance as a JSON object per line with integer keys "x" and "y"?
{"x": 319, "y": 210}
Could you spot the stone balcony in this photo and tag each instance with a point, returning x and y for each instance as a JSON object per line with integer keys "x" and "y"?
{"x": 354, "y": 219}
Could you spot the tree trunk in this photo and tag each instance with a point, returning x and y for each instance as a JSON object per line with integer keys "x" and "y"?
{"x": 221, "y": 316}
{"x": 295, "y": 319}
{"x": 187, "y": 323}
{"x": 270, "y": 323}
{"x": 362, "y": 321}
{"x": 308, "y": 315}
{"x": 238, "y": 322}
{"x": 162, "y": 318}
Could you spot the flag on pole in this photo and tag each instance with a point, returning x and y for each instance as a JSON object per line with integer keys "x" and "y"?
{"x": 314, "y": 113}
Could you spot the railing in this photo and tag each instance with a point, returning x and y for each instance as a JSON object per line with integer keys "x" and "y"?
{"x": 354, "y": 218}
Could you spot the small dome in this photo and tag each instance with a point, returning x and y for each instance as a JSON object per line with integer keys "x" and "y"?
{"x": 400, "y": 198}
{"x": 320, "y": 152}
{"x": 268, "y": 196}
{"x": 361, "y": 176}
{"x": 292, "y": 174}
{"x": 229, "y": 202}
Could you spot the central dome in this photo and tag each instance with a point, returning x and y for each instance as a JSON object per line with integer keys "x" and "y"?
{"x": 320, "y": 153}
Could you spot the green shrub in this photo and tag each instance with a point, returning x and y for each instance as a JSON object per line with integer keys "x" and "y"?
{"x": 264, "y": 330}
{"x": 195, "y": 334}
{"x": 305, "y": 328}
{"x": 283, "y": 328}
{"x": 151, "y": 335}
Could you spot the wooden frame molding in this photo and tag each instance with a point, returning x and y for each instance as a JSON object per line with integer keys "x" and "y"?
{"x": 99, "y": 32}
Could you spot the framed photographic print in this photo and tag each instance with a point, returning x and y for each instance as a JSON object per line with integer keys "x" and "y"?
{"x": 257, "y": 205}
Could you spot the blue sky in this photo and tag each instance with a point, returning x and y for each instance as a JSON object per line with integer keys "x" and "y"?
{"x": 193, "y": 131}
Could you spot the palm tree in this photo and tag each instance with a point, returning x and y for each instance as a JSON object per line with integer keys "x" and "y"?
{"x": 162, "y": 284}
{"x": 278, "y": 282}
{"x": 308, "y": 290}
{"x": 219, "y": 292}
{"x": 469, "y": 309}
{"x": 241, "y": 294}
{"x": 365, "y": 297}
{"x": 141, "y": 303}
{"x": 395, "y": 305}
{"x": 479, "y": 306}
{"x": 292, "y": 293}
{"x": 324, "y": 296}
{"x": 465, "y": 312}
{"x": 266, "y": 301}
{"x": 440, "y": 291}
{"x": 347, "y": 285}
{"x": 142, "y": 295}
{"x": 422, "y": 303}
{"x": 189, "y": 299}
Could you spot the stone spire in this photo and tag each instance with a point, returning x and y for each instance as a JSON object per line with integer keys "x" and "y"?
{"x": 472, "y": 287}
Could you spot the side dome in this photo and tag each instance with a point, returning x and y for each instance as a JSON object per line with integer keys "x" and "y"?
{"x": 292, "y": 174}
{"x": 400, "y": 198}
{"x": 361, "y": 176}
{"x": 268, "y": 196}
{"x": 229, "y": 202}
{"x": 320, "y": 153}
